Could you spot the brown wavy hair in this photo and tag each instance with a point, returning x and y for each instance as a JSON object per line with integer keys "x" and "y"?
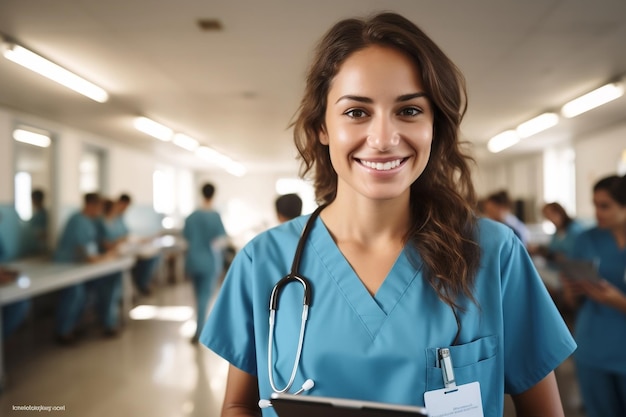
{"x": 443, "y": 224}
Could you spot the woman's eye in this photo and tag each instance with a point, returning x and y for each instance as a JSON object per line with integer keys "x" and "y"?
{"x": 410, "y": 111}
{"x": 355, "y": 113}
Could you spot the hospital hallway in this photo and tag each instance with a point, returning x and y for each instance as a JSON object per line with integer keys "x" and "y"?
{"x": 150, "y": 369}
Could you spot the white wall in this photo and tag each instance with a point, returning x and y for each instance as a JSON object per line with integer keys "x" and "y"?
{"x": 6, "y": 159}
{"x": 597, "y": 155}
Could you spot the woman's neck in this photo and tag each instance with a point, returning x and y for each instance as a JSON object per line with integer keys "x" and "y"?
{"x": 366, "y": 221}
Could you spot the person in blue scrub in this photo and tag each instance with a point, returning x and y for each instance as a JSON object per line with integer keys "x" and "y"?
{"x": 111, "y": 233}
{"x": 561, "y": 243}
{"x": 600, "y": 328}
{"x": 37, "y": 226}
{"x": 78, "y": 243}
{"x": 567, "y": 230}
{"x": 13, "y": 314}
{"x": 398, "y": 265}
{"x": 497, "y": 206}
{"x": 206, "y": 239}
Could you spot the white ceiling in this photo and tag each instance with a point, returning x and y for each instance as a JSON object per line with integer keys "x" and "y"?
{"x": 237, "y": 89}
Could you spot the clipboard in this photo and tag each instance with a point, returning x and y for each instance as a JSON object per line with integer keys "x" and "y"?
{"x": 289, "y": 405}
{"x": 577, "y": 270}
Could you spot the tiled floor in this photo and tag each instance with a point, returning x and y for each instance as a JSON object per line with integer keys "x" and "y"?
{"x": 151, "y": 369}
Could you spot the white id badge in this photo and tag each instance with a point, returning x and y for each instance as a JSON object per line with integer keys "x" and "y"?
{"x": 459, "y": 401}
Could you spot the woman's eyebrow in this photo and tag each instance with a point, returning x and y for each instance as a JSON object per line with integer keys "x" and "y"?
{"x": 407, "y": 97}
{"x": 362, "y": 99}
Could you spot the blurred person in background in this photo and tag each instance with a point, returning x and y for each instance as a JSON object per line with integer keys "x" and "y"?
{"x": 13, "y": 314}
{"x": 204, "y": 262}
{"x": 79, "y": 243}
{"x": 600, "y": 328}
{"x": 498, "y": 206}
{"x": 111, "y": 235}
{"x": 37, "y": 226}
{"x": 562, "y": 240}
{"x": 288, "y": 206}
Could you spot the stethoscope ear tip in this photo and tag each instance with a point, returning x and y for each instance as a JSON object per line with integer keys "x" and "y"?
{"x": 265, "y": 403}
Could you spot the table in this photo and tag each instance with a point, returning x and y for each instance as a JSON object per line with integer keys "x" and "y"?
{"x": 39, "y": 276}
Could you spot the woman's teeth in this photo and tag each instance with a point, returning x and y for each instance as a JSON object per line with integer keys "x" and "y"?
{"x": 382, "y": 166}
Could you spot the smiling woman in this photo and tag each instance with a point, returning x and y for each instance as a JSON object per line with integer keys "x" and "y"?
{"x": 401, "y": 283}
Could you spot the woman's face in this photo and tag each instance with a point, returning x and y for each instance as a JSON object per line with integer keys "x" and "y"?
{"x": 609, "y": 213}
{"x": 378, "y": 124}
{"x": 553, "y": 216}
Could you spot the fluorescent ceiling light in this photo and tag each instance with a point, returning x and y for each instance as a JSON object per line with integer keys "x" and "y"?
{"x": 502, "y": 141}
{"x": 221, "y": 160}
{"x": 154, "y": 129}
{"x": 537, "y": 124}
{"x": 592, "y": 100}
{"x": 185, "y": 142}
{"x": 42, "y": 66}
{"x": 32, "y": 138}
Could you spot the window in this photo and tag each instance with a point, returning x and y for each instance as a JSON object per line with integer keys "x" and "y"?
{"x": 163, "y": 190}
{"x": 91, "y": 170}
{"x": 23, "y": 188}
{"x": 560, "y": 178}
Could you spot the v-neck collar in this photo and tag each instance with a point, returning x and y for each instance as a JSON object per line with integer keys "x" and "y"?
{"x": 373, "y": 310}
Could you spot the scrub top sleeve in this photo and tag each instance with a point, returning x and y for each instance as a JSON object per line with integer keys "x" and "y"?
{"x": 536, "y": 339}
{"x": 229, "y": 329}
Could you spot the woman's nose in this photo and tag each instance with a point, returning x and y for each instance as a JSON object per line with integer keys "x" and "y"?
{"x": 383, "y": 135}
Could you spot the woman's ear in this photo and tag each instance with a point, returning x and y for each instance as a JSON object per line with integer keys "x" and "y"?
{"x": 323, "y": 136}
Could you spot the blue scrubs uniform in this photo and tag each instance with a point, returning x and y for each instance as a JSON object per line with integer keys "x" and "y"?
{"x": 37, "y": 229}
{"x": 109, "y": 287}
{"x": 203, "y": 262}
{"x": 78, "y": 240}
{"x": 600, "y": 330}
{"x": 563, "y": 243}
{"x": 383, "y": 348}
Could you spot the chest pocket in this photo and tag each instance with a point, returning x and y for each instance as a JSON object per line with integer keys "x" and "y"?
{"x": 474, "y": 361}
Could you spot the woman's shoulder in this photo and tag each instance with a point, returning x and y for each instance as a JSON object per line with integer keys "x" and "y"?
{"x": 594, "y": 233}
{"x": 493, "y": 234}
{"x": 281, "y": 235}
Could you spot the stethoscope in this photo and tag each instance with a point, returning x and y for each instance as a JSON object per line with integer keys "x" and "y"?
{"x": 293, "y": 276}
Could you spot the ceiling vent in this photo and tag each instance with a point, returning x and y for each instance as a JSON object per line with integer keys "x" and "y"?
{"x": 209, "y": 25}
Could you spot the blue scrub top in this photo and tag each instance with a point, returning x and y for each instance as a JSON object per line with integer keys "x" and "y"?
{"x": 111, "y": 230}
{"x": 201, "y": 229}
{"x": 600, "y": 330}
{"x": 39, "y": 220}
{"x": 78, "y": 240}
{"x": 383, "y": 348}
{"x": 563, "y": 243}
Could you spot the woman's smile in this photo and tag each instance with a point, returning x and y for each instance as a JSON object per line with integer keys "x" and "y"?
{"x": 382, "y": 165}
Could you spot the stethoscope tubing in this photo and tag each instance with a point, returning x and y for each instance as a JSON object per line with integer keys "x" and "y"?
{"x": 293, "y": 276}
